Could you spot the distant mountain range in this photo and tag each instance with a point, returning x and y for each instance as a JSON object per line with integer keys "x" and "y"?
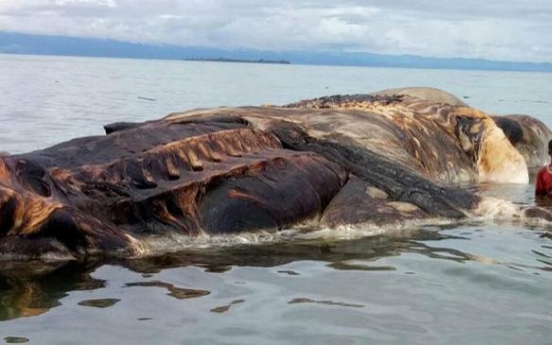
{"x": 16, "y": 43}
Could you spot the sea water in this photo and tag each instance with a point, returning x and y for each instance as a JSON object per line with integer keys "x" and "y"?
{"x": 476, "y": 283}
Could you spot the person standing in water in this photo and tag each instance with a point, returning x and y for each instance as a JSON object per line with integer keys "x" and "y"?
{"x": 543, "y": 182}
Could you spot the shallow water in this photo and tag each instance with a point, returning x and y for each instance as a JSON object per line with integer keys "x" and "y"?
{"x": 477, "y": 283}
{"x": 467, "y": 285}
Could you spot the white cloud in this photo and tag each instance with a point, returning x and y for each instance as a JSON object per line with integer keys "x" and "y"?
{"x": 495, "y": 29}
{"x": 101, "y": 3}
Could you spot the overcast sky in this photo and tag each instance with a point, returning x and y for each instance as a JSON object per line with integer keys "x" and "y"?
{"x": 516, "y": 30}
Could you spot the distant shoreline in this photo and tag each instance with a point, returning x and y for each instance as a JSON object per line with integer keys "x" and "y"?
{"x": 277, "y": 62}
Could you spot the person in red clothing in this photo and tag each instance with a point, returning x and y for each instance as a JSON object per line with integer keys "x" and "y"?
{"x": 543, "y": 183}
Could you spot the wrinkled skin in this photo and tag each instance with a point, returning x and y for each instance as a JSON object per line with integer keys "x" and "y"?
{"x": 527, "y": 134}
{"x": 426, "y": 94}
{"x": 397, "y": 158}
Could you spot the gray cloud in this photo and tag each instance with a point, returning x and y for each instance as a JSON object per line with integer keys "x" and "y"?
{"x": 516, "y": 30}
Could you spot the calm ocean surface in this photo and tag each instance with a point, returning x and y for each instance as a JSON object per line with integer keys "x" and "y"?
{"x": 471, "y": 284}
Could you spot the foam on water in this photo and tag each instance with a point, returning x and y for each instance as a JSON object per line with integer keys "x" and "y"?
{"x": 499, "y": 210}
{"x": 159, "y": 245}
{"x": 154, "y": 246}
{"x": 490, "y": 211}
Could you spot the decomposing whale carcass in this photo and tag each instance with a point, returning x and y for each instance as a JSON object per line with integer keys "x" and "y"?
{"x": 383, "y": 159}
